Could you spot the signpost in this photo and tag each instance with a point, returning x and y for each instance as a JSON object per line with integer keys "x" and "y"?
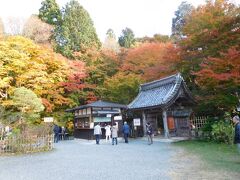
{"x": 137, "y": 122}
{"x": 48, "y": 119}
{"x": 117, "y": 118}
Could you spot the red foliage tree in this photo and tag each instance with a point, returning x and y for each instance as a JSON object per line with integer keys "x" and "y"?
{"x": 151, "y": 60}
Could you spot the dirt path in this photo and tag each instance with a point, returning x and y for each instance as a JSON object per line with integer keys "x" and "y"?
{"x": 80, "y": 159}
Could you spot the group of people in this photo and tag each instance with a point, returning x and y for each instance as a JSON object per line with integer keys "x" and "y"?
{"x": 59, "y": 133}
{"x": 112, "y": 132}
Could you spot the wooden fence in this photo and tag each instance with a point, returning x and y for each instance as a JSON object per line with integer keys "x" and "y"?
{"x": 199, "y": 122}
{"x": 26, "y": 144}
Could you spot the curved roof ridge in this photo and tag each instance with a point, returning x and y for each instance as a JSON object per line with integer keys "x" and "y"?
{"x": 174, "y": 89}
{"x": 161, "y": 93}
{"x": 159, "y": 82}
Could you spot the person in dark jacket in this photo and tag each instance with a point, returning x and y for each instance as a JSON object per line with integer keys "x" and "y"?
{"x": 149, "y": 133}
{"x": 56, "y": 133}
{"x": 236, "y": 121}
{"x": 126, "y": 131}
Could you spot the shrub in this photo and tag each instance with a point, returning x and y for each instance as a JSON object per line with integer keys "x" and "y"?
{"x": 223, "y": 131}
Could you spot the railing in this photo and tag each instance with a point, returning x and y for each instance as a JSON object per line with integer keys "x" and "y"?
{"x": 26, "y": 144}
{"x": 199, "y": 122}
{"x": 196, "y": 124}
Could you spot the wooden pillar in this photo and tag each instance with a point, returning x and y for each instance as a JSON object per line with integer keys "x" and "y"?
{"x": 144, "y": 123}
{"x": 164, "y": 115}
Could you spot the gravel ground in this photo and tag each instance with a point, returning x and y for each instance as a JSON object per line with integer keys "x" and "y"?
{"x": 84, "y": 160}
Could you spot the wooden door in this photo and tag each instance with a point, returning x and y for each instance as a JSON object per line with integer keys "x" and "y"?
{"x": 182, "y": 126}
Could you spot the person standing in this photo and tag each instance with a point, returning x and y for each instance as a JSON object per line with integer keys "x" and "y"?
{"x": 126, "y": 131}
{"x": 97, "y": 132}
{"x": 108, "y": 132}
{"x": 236, "y": 121}
{"x": 56, "y": 133}
{"x": 149, "y": 133}
{"x": 114, "y": 134}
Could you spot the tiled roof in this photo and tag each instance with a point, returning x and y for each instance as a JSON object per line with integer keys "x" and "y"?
{"x": 160, "y": 93}
{"x": 99, "y": 104}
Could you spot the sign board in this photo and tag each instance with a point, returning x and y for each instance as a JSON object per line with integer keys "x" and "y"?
{"x": 91, "y": 125}
{"x": 117, "y": 118}
{"x": 137, "y": 122}
{"x": 101, "y": 119}
{"x": 109, "y": 115}
{"x": 48, "y": 119}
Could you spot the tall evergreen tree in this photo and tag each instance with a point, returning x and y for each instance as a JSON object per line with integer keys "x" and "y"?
{"x": 178, "y": 22}
{"x": 50, "y": 12}
{"x": 127, "y": 38}
{"x": 76, "y": 32}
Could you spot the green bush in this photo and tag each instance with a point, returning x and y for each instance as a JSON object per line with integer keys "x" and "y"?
{"x": 223, "y": 131}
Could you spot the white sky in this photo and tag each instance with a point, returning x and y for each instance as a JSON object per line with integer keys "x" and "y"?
{"x": 144, "y": 17}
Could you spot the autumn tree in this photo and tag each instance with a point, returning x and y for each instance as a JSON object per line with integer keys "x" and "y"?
{"x": 77, "y": 32}
{"x": 50, "y": 12}
{"x": 211, "y": 30}
{"x": 219, "y": 79}
{"x": 25, "y": 64}
{"x": 75, "y": 85}
{"x": 151, "y": 60}
{"x": 37, "y": 30}
{"x": 121, "y": 88}
{"x": 127, "y": 38}
{"x": 99, "y": 66}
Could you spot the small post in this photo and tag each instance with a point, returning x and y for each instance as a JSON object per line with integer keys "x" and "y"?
{"x": 164, "y": 116}
{"x": 144, "y": 123}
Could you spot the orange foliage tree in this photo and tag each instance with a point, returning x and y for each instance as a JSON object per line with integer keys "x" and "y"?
{"x": 151, "y": 60}
{"x": 219, "y": 79}
{"x": 25, "y": 64}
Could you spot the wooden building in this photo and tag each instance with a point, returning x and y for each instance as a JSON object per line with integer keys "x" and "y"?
{"x": 166, "y": 104}
{"x": 87, "y": 116}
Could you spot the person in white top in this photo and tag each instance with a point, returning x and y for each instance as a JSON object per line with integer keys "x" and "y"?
{"x": 97, "y": 132}
{"x": 108, "y": 132}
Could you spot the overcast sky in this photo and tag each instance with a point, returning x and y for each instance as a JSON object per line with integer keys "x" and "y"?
{"x": 144, "y": 17}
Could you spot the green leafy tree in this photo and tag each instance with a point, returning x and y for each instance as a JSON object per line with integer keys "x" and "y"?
{"x": 27, "y": 102}
{"x": 76, "y": 32}
{"x": 50, "y": 12}
{"x": 127, "y": 38}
